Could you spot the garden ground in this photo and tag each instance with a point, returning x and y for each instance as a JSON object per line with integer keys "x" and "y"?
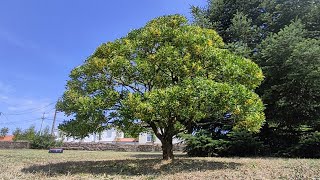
{"x": 39, "y": 164}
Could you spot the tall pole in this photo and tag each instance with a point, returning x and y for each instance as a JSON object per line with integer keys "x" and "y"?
{"x": 54, "y": 122}
{"x": 42, "y": 118}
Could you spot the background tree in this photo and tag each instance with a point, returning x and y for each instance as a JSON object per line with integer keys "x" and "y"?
{"x": 4, "y": 131}
{"x": 16, "y": 134}
{"x": 291, "y": 62}
{"x": 287, "y": 50}
{"x": 167, "y": 76}
{"x": 37, "y": 140}
{"x": 247, "y": 23}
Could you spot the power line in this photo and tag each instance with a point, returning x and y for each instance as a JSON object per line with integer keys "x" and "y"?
{"x": 17, "y": 122}
{"x": 21, "y": 121}
{"x": 29, "y": 110}
{"x": 58, "y": 119}
{"x": 51, "y": 110}
{"x": 4, "y": 115}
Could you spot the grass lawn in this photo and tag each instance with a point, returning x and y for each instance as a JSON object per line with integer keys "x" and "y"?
{"x": 39, "y": 164}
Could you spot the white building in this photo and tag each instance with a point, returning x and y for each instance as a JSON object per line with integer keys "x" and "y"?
{"x": 114, "y": 136}
{"x": 149, "y": 138}
{"x": 108, "y": 136}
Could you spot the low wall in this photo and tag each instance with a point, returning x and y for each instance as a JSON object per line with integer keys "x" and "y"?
{"x": 14, "y": 145}
{"x": 116, "y": 147}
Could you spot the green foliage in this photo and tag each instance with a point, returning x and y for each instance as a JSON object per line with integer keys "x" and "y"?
{"x": 249, "y": 22}
{"x": 243, "y": 143}
{"x": 26, "y": 135}
{"x": 312, "y": 21}
{"x": 131, "y": 135}
{"x": 292, "y": 86}
{"x": 309, "y": 146}
{"x": 198, "y": 99}
{"x": 4, "y": 131}
{"x": 219, "y": 15}
{"x": 44, "y": 140}
{"x": 283, "y": 38}
{"x": 17, "y": 134}
{"x": 38, "y": 140}
{"x": 168, "y": 76}
{"x": 204, "y": 145}
{"x": 234, "y": 143}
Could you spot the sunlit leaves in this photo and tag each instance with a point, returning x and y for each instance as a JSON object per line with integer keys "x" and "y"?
{"x": 167, "y": 74}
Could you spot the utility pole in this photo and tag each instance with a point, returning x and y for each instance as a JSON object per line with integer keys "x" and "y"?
{"x": 54, "y": 122}
{"x": 42, "y": 118}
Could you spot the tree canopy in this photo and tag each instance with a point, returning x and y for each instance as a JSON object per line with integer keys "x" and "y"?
{"x": 271, "y": 33}
{"x": 244, "y": 24}
{"x": 167, "y": 76}
{"x": 4, "y": 131}
{"x": 282, "y": 37}
{"x": 291, "y": 62}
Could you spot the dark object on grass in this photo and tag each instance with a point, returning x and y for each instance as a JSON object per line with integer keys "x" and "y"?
{"x": 56, "y": 150}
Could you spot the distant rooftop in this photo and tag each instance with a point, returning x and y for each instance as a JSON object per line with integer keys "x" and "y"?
{"x": 7, "y": 138}
{"x": 126, "y": 140}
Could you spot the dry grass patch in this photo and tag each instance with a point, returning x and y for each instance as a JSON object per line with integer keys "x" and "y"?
{"x": 39, "y": 164}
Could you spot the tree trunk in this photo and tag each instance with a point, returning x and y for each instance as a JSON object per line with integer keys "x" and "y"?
{"x": 166, "y": 140}
{"x": 167, "y": 148}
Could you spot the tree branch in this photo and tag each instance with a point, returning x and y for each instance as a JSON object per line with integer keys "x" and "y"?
{"x": 155, "y": 130}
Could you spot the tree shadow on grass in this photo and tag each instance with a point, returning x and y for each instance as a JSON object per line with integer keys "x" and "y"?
{"x": 157, "y": 155}
{"x": 130, "y": 167}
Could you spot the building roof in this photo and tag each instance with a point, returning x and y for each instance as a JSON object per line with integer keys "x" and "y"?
{"x": 126, "y": 140}
{"x": 7, "y": 138}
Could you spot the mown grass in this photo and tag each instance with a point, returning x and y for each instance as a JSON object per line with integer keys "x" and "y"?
{"x": 39, "y": 164}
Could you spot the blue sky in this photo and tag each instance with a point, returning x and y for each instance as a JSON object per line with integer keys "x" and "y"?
{"x": 42, "y": 41}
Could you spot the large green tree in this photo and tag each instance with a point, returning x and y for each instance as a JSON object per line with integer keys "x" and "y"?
{"x": 287, "y": 49}
{"x": 244, "y": 24}
{"x": 166, "y": 76}
{"x": 291, "y": 62}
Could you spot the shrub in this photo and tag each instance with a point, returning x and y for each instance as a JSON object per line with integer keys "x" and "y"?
{"x": 309, "y": 146}
{"x": 203, "y": 143}
{"x": 244, "y": 144}
{"x": 38, "y": 140}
